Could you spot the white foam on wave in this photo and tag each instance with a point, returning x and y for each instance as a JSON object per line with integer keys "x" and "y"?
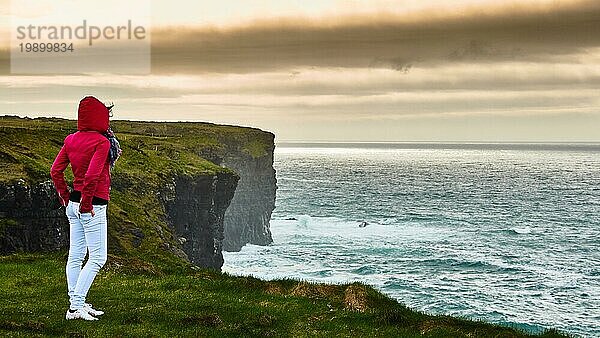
{"x": 521, "y": 230}
{"x": 304, "y": 244}
{"x": 334, "y": 226}
{"x": 303, "y": 220}
{"x": 312, "y": 180}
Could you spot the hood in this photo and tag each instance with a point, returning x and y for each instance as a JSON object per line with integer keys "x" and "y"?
{"x": 92, "y": 115}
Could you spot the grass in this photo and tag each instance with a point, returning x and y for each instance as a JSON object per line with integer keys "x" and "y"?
{"x": 153, "y": 153}
{"x": 151, "y": 150}
{"x": 30, "y": 145}
{"x": 142, "y": 300}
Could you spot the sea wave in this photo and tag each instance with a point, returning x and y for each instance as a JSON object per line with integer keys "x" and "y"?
{"x": 448, "y": 231}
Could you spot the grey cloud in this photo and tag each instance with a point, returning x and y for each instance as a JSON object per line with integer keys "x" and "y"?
{"x": 397, "y": 63}
{"x": 385, "y": 41}
{"x": 478, "y": 50}
{"x": 390, "y": 42}
{"x": 306, "y": 82}
{"x": 4, "y": 61}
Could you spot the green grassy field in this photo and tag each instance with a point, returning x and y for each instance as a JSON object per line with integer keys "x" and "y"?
{"x": 142, "y": 300}
{"x": 30, "y": 145}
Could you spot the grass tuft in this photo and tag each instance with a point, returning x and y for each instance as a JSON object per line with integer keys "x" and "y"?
{"x": 355, "y": 298}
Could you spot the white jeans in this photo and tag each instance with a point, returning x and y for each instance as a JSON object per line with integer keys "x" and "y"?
{"x": 87, "y": 233}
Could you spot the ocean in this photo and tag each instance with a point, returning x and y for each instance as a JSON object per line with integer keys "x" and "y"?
{"x": 506, "y": 233}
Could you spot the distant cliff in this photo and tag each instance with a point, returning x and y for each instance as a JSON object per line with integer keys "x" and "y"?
{"x": 247, "y": 218}
{"x": 180, "y": 190}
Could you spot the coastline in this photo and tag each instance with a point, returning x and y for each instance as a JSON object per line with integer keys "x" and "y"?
{"x": 154, "y": 260}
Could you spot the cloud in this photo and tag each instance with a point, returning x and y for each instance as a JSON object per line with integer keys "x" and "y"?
{"x": 482, "y": 34}
{"x": 446, "y": 102}
{"x": 583, "y": 74}
{"x": 4, "y": 61}
{"x": 532, "y": 32}
{"x": 330, "y": 93}
{"x": 5, "y": 7}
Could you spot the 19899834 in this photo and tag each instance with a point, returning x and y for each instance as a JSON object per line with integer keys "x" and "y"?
{"x": 48, "y": 47}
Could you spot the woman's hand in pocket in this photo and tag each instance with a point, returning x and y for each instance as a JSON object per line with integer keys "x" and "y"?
{"x": 91, "y": 212}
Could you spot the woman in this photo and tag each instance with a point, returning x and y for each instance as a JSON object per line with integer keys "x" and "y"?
{"x": 92, "y": 152}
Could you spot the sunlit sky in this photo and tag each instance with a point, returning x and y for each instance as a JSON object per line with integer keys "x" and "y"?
{"x": 406, "y": 70}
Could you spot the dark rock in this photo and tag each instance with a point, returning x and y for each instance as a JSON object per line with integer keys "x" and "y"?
{"x": 32, "y": 218}
{"x": 196, "y": 213}
{"x": 247, "y": 218}
{"x": 138, "y": 235}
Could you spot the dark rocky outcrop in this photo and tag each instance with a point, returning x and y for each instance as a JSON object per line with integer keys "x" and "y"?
{"x": 247, "y": 219}
{"x": 30, "y": 218}
{"x": 248, "y": 216}
{"x": 196, "y": 208}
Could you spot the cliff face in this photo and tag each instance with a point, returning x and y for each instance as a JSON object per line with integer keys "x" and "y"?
{"x": 175, "y": 192}
{"x": 30, "y": 218}
{"x": 247, "y": 219}
{"x": 248, "y": 216}
{"x": 196, "y": 209}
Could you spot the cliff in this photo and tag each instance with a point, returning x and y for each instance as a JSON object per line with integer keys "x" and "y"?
{"x": 247, "y": 219}
{"x": 29, "y": 218}
{"x": 180, "y": 190}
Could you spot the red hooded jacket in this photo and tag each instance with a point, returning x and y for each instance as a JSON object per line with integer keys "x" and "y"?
{"x": 87, "y": 151}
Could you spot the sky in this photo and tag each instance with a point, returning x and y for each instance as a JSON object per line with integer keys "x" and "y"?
{"x": 329, "y": 70}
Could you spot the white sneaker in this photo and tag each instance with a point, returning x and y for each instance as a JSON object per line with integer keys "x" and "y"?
{"x": 79, "y": 314}
{"x": 88, "y": 307}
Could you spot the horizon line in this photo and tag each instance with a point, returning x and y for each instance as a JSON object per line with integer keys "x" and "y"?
{"x": 434, "y": 142}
